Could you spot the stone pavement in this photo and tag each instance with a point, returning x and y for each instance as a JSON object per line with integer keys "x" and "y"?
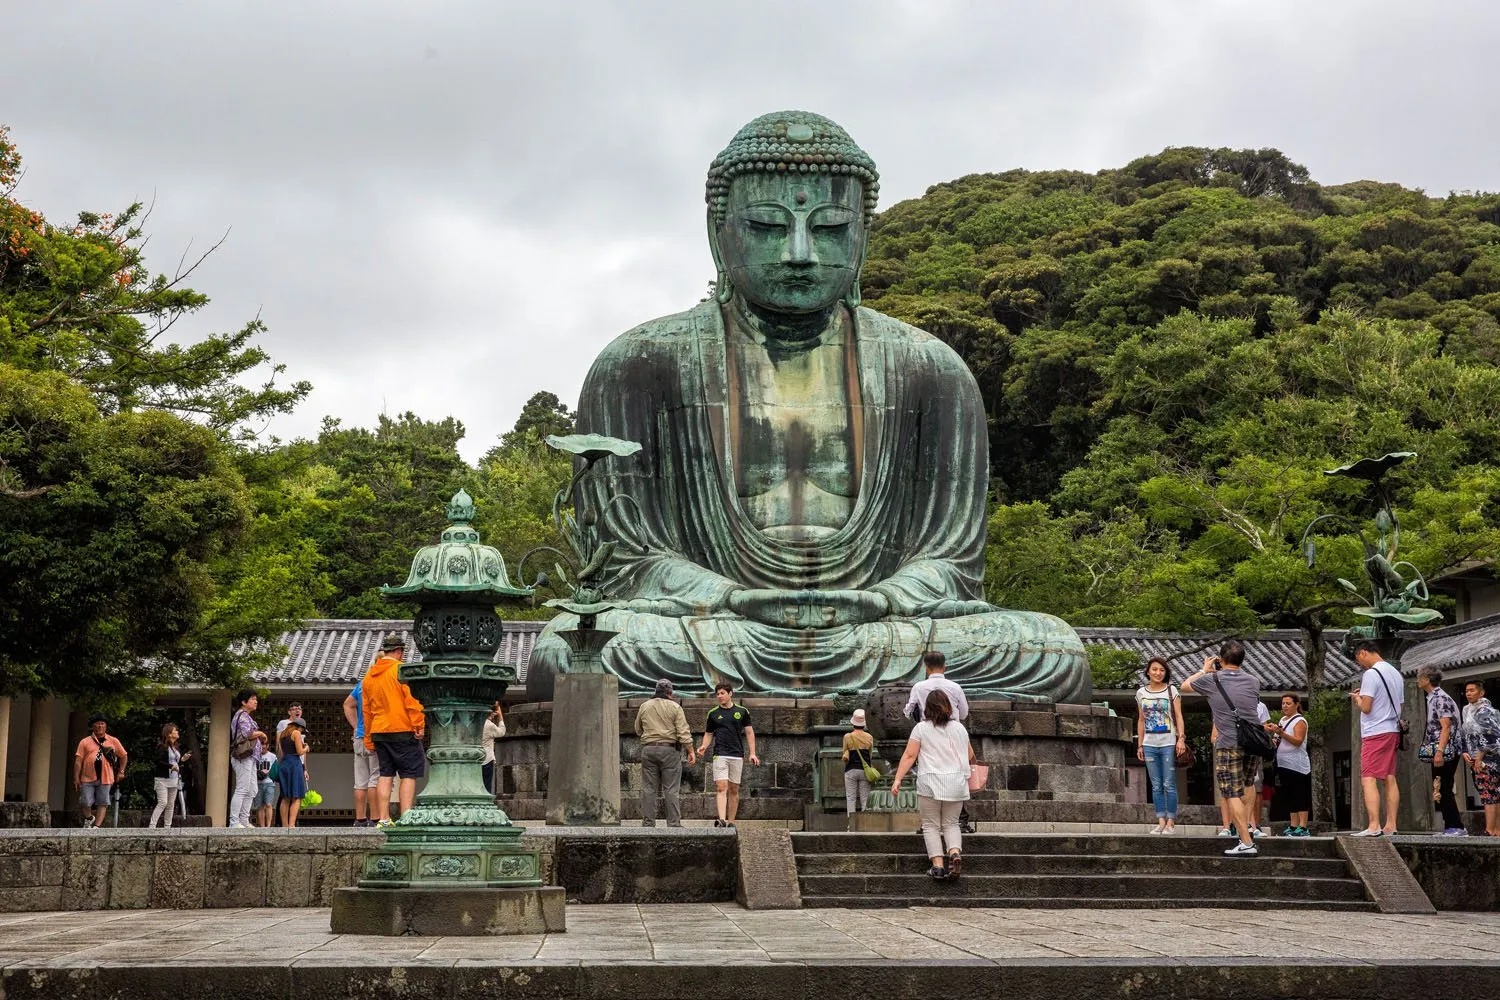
{"x": 662, "y": 951}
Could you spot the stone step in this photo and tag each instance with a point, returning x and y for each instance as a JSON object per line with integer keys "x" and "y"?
{"x": 982, "y": 863}
{"x": 1204, "y": 889}
{"x": 1060, "y": 844}
{"x": 1068, "y": 903}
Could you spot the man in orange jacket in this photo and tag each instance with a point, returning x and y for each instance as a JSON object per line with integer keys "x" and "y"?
{"x": 393, "y": 728}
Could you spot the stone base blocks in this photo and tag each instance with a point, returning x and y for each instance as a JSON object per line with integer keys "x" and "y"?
{"x": 448, "y": 912}
{"x": 1069, "y": 757}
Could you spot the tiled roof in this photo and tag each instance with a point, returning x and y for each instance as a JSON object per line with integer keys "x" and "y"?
{"x": 1274, "y": 656}
{"x": 1454, "y": 646}
{"x": 336, "y": 651}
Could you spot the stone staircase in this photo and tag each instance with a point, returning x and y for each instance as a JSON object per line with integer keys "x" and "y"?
{"x": 1059, "y": 871}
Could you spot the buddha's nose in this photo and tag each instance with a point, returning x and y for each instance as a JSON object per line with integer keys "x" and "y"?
{"x": 799, "y": 245}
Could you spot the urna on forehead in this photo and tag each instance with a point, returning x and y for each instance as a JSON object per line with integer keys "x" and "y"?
{"x": 791, "y": 142}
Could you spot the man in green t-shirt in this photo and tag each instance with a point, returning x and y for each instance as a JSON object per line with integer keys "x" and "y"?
{"x": 729, "y": 733}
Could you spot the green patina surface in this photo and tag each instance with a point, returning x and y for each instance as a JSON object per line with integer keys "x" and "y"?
{"x": 455, "y": 834}
{"x": 806, "y": 512}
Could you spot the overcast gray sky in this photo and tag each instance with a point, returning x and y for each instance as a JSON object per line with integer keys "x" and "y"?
{"x": 501, "y": 187}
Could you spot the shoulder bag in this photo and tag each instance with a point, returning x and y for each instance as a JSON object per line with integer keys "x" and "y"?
{"x": 1249, "y": 734}
{"x": 1403, "y": 727}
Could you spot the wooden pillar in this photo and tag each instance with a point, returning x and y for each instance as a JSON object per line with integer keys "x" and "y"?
{"x": 4, "y": 742}
{"x": 78, "y": 728}
{"x": 39, "y": 751}
{"x": 216, "y": 791}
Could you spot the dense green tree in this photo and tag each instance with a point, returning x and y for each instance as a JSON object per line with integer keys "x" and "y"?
{"x": 542, "y": 415}
{"x": 109, "y": 534}
{"x": 81, "y": 301}
{"x": 127, "y": 549}
{"x": 1038, "y": 278}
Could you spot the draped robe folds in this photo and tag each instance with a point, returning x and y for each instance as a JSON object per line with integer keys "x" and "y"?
{"x": 916, "y": 533}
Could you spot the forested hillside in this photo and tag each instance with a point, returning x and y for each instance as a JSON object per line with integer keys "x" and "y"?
{"x": 1173, "y": 351}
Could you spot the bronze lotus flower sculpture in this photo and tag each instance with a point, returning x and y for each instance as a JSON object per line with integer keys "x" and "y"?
{"x": 589, "y": 553}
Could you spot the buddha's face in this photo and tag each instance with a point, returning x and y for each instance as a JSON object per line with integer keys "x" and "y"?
{"x": 793, "y": 243}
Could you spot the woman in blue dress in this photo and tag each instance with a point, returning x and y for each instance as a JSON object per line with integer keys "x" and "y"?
{"x": 291, "y": 751}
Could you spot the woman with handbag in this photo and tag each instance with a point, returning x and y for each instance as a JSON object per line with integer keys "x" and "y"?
{"x": 1159, "y": 740}
{"x": 858, "y": 771}
{"x": 168, "y": 775}
{"x": 1481, "y": 748}
{"x": 940, "y": 750}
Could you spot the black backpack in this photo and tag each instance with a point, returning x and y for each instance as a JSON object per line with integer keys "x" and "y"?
{"x": 1249, "y": 733}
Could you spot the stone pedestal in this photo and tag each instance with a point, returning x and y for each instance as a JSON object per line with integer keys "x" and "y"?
{"x": 583, "y": 757}
{"x": 443, "y": 912}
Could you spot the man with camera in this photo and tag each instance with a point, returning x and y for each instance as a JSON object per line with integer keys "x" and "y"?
{"x": 98, "y": 764}
{"x": 1232, "y": 693}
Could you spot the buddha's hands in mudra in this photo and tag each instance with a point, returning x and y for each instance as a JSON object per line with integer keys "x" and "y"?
{"x": 809, "y": 608}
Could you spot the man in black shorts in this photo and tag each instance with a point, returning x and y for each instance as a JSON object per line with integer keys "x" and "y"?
{"x": 393, "y": 728}
{"x": 730, "y": 734}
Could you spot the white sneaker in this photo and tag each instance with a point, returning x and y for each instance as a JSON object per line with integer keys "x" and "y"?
{"x": 1242, "y": 850}
{"x": 1370, "y": 833}
{"x": 1224, "y": 832}
{"x": 1455, "y": 831}
{"x": 1157, "y": 829}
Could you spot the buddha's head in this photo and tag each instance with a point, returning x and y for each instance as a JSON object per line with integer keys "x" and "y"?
{"x": 789, "y": 207}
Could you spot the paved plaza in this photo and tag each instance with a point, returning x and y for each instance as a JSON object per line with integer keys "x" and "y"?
{"x": 726, "y": 934}
{"x": 665, "y": 951}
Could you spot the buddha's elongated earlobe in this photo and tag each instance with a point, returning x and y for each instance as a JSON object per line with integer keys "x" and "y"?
{"x": 852, "y": 297}
{"x": 723, "y": 290}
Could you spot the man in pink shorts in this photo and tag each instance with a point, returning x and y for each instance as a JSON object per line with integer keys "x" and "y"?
{"x": 1379, "y": 703}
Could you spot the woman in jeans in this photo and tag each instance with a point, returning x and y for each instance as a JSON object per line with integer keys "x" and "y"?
{"x": 857, "y": 746}
{"x": 168, "y": 775}
{"x": 939, "y": 747}
{"x": 1159, "y": 739}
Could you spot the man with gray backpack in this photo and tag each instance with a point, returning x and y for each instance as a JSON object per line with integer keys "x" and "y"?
{"x": 1240, "y": 742}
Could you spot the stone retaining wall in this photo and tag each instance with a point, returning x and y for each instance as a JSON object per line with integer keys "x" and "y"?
{"x": 188, "y": 869}
{"x": 184, "y": 869}
{"x": 1456, "y": 873}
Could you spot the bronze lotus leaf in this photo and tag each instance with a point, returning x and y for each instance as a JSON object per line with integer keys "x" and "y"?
{"x": 592, "y": 447}
{"x": 1372, "y": 469}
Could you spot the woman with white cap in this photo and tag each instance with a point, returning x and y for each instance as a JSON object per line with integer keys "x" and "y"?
{"x": 857, "y": 747}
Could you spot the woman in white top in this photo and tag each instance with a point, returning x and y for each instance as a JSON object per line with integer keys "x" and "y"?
{"x": 1293, "y": 766}
{"x": 1159, "y": 739}
{"x": 939, "y": 747}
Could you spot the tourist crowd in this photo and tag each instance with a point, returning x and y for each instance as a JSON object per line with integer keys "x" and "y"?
{"x": 1254, "y": 756}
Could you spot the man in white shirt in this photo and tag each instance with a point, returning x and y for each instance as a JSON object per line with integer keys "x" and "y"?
{"x": 1379, "y": 702}
{"x": 936, "y": 663}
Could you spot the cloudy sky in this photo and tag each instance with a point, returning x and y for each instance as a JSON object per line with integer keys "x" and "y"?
{"x": 499, "y": 188}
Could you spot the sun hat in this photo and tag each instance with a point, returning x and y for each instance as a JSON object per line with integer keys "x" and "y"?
{"x": 858, "y": 718}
